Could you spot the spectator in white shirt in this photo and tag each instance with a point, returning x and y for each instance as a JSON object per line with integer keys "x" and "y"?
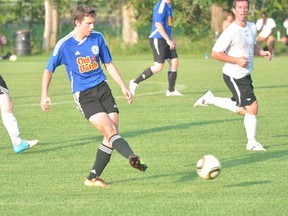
{"x": 284, "y": 39}
{"x": 265, "y": 26}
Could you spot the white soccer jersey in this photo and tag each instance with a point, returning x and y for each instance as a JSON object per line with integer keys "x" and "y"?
{"x": 237, "y": 41}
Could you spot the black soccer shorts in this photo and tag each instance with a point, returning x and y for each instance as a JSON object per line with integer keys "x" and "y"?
{"x": 161, "y": 50}
{"x": 242, "y": 90}
{"x": 3, "y": 87}
{"x": 95, "y": 100}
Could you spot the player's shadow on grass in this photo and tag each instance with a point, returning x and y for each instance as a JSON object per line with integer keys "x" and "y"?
{"x": 97, "y": 138}
{"x": 176, "y": 126}
{"x": 271, "y": 87}
{"x": 60, "y": 145}
{"x": 251, "y": 183}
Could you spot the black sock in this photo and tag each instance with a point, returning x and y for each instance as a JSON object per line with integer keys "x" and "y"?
{"x": 172, "y": 76}
{"x": 102, "y": 159}
{"x": 145, "y": 75}
{"x": 121, "y": 145}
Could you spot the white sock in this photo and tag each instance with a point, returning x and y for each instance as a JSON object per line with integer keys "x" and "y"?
{"x": 225, "y": 103}
{"x": 11, "y": 125}
{"x": 250, "y": 123}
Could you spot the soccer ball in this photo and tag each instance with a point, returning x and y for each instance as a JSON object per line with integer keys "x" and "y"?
{"x": 208, "y": 167}
{"x": 13, "y": 58}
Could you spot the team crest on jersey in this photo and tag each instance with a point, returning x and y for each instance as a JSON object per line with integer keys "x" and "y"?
{"x": 95, "y": 50}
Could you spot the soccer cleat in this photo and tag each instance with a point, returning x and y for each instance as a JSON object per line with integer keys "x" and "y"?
{"x": 132, "y": 86}
{"x": 24, "y": 145}
{"x": 174, "y": 93}
{"x": 7, "y": 55}
{"x": 136, "y": 162}
{"x": 255, "y": 146}
{"x": 95, "y": 182}
{"x": 204, "y": 99}
{"x": 32, "y": 143}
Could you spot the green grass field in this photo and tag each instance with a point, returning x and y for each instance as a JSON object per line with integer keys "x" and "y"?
{"x": 168, "y": 133}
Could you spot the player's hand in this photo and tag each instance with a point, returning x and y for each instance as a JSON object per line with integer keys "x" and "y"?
{"x": 266, "y": 54}
{"x": 175, "y": 42}
{"x": 242, "y": 61}
{"x": 45, "y": 103}
{"x": 128, "y": 95}
{"x": 171, "y": 44}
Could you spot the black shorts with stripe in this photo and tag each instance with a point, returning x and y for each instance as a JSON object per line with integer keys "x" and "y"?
{"x": 242, "y": 90}
{"x": 161, "y": 50}
{"x": 3, "y": 87}
{"x": 95, "y": 100}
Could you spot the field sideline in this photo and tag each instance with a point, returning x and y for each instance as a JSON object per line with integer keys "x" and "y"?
{"x": 168, "y": 133}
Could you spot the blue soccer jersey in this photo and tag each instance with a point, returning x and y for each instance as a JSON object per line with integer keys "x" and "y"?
{"x": 81, "y": 59}
{"x": 162, "y": 13}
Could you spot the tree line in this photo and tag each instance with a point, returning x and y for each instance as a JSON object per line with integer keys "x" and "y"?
{"x": 193, "y": 17}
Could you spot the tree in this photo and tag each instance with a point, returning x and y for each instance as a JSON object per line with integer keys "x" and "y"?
{"x": 129, "y": 34}
{"x": 51, "y": 25}
{"x": 193, "y": 18}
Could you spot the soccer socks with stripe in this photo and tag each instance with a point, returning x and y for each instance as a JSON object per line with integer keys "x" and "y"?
{"x": 250, "y": 123}
{"x": 11, "y": 125}
{"x": 225, "y": 103}
{"x": 172, "y": 76}
{"x": 121, "y": 145}
{"x": 145, "y": 75}
{"x": 102, "y": 159}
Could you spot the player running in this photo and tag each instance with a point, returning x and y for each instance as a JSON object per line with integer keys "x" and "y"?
{"x": 8, "y": 118}
{"x": 163, "y": 47}
{"x": 237, "y": 46}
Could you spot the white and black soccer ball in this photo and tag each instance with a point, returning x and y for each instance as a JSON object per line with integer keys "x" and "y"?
{"x": 208, "y": 167}
{"x": 13, "y": 58}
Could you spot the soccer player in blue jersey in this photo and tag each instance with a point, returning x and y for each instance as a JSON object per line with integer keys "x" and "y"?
{"x": 82, "y": 52}
{"x": 7, "y": 115}
{"x": 163, "y": 48}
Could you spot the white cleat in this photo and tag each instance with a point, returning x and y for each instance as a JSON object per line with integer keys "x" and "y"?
{"x": 32, "y": 143}
{"x": 174, "y": 93}
{"x": 132, "y": 86}
{"x": 204, "y": 99}
{"x": 255, "y": 146}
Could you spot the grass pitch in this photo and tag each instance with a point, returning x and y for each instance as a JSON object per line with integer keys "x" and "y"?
{"x": 167, "y": 132}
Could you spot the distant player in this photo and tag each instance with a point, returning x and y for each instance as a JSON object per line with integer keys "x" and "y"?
{"x": 82, "y": 51}
{"x": 163, "y": 47}
{"x": 8, "y": 118}
{"x": 236, "y": 47}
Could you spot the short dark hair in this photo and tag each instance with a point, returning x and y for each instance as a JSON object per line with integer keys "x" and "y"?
{"x": 234, "y": 3}
{"x": 82, "y": 11}
{"x": 264, "y": 14}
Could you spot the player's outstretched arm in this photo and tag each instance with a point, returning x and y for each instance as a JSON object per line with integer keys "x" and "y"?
{"x": 45, "y": 99}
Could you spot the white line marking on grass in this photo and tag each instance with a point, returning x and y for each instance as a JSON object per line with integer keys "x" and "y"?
{"x": 180, "y": 87}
